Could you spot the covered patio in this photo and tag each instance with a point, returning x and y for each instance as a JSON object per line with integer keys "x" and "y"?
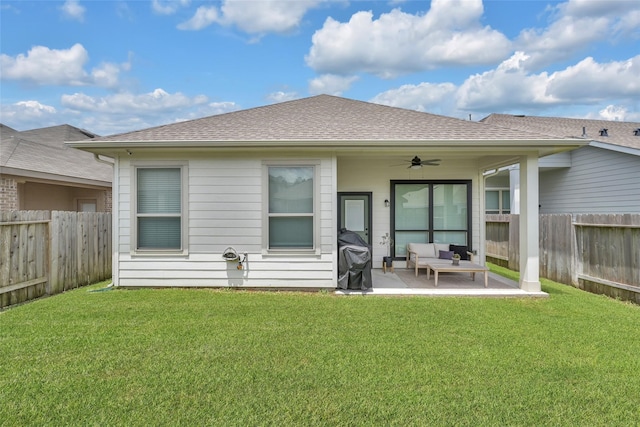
{"x": 403, "y": 282}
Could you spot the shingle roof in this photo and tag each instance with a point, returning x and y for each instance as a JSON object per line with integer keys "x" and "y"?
{"x": 53, "y": 135}
{"x": 43, "y": 150}
{"x": 618, "y": 133}
{"x": 6, "y": 131}
{"x": 325, "y": 118}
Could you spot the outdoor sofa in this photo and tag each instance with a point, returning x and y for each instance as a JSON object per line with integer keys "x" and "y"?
{"x": 419, "y": 255}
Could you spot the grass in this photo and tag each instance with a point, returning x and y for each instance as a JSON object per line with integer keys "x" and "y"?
{"x": 211, "y": 357}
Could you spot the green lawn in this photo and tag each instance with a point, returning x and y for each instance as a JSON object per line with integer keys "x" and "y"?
{"x": 207, "y": 357}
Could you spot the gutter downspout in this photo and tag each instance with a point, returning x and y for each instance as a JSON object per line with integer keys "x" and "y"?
{"x": 106, "y": 162}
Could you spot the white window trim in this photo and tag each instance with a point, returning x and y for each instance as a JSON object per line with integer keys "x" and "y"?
{"x": 315, "y": 250}
{"x": 184, "y": 215}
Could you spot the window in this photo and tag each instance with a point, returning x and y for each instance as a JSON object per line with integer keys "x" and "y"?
{"x": 159, "y": 209}
{"x": 291, "y": 207}
{"x": 430, "y": 211}
{"x": 87, "y": 205}
{"x": 498, "y": 201}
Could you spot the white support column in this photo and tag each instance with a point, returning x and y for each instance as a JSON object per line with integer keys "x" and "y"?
{"x": 514, "y": 189}
{"x": 529, "y": 232}
{"x": 482, "y": 223}
{"x": 115, "y": 223}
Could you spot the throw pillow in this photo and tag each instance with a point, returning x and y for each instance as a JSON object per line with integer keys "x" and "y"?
{"x": 460, "y": 250}
{"x": 446, "y": 255}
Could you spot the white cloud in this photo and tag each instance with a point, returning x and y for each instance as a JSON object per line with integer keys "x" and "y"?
{"x": 331, "y": 84}
{"x": 266, "y": 16}
{"x": 211, "y": 109}
{"x": 561, "y": 39}
{"x": 259, "y": 17}
{"x": 73, "y": 10}
{"x": 511, "y": 86}
{"x": 614, "y": 112}
{"x": 44, "y": 66}
{"x": 112, "y": 114}
{"x": 28, "y": 115}
{"x": 128, "y": 103}
{"x": 577, "y": 24}
{"x": 204, "y": 16}
{"x": 280, "y": 96}
{"x": 431, "y": 97}
{"x": 508, "y": 85}
{"x": 168, "y": 7}
{"x": 449, "y": 34}
{"x": 590, "y": 81}
{"x": 590, "y": 8}
{"x": 629, "y": 24}
{"x": 126, "y": 112}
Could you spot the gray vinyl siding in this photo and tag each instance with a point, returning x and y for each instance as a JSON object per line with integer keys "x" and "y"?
{"x": 225, "y": 209}
{"x": 599, "y": 181}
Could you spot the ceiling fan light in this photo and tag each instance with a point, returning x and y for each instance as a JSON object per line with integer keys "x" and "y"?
{"x": 416, "y": 166}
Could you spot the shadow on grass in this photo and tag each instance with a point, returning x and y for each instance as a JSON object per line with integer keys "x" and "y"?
{"x": 548, "y": 286}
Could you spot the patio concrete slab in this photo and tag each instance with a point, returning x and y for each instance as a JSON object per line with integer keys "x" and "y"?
{"x": 404, "y": 282}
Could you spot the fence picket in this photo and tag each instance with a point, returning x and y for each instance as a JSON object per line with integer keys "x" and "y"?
{"x": 596, "y": 252}
{"x": 44, "y": 252}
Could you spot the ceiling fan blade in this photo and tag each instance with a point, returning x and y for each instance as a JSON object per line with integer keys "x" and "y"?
{"x": 416, "y": 162}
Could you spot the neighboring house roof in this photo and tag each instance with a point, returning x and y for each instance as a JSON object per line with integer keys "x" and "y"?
{"x": 6, "y": 131}
{"x": 622, "y": 134}
{"x": 41, "y": 153}
{"x": 324, "y": 118}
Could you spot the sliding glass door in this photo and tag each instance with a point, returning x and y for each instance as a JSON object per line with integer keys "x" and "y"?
{"x": 430, "y": 211}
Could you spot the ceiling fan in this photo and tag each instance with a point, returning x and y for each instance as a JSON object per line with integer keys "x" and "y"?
{"x": 416, "y": 163}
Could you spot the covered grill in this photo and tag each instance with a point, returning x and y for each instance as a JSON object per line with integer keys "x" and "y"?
{"x": 354, "y": 261}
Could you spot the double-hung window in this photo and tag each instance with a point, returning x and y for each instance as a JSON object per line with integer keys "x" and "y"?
{"x": 159, "y": 209}
{"x": 291, "y": 207}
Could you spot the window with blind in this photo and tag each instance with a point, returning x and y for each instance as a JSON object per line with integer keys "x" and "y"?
{"x": 159, "y": 209}
{"x": 291, "y": 207}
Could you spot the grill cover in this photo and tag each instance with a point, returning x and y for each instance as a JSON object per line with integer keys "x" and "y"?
{"x": 354, "y": 261}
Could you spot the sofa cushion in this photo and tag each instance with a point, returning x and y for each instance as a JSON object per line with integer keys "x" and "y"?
{"x": 441, "y": 247}
{"x": 460, "y": 250}
{"x": 424, "y": 250}
{"x": 446, "y": 255}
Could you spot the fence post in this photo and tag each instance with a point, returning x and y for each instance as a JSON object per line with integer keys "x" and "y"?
{"x": 514, "y": 242}
{"x": 54, "y": 248}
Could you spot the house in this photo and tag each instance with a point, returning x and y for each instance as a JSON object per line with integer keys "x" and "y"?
{"x": 274, "y": 184}
{"x": 39, "y": 172}
{"x": 601, "y": 177}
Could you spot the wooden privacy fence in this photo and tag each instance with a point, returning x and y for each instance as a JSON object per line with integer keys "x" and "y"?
{"x": 599, "y": 253}
{"x": 45, "y": 253}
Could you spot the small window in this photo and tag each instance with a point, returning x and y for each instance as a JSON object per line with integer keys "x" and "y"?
{"x": 497, "y": 201}
{"x": 159, "y": 209}
{"x": 291, "y": 207}
{"x": 87, "y": 205}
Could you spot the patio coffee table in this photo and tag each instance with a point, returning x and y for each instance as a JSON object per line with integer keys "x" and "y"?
{"x": 463, "y": 267}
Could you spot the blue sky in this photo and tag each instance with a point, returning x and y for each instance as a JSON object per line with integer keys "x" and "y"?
{"x": 116, "y": 66}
